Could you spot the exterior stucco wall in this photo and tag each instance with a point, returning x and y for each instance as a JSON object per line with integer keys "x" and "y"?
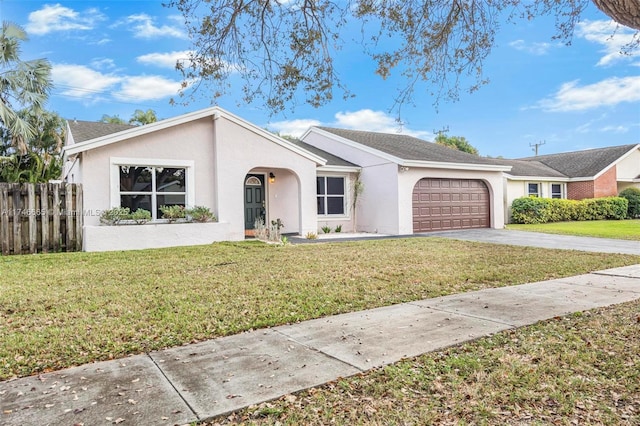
{"x": 408, "y": 179}
{"x": 239, "y": 151}
{"x": 377, "y": 208}
{"x": 629, "y": 167}
{"x": 186, "y": 142}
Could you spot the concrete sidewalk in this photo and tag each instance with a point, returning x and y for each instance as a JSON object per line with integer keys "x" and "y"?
{"x": 200, "y": 381}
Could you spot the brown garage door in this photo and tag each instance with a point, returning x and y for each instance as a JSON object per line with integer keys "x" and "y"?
{"x": 440, "y": 204}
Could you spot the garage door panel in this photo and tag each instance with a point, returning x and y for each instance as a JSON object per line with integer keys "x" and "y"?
{"x": 442, "y": 204}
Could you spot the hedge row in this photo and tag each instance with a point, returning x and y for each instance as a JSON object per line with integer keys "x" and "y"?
{"x": 543, "y": 210}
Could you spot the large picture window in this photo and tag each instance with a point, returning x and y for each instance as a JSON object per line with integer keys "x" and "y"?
{"x": 331, "y": 195}
{"x": 150, "y": 187}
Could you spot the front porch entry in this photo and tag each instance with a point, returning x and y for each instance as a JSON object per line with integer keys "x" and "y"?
{"x": 254, "y": 201}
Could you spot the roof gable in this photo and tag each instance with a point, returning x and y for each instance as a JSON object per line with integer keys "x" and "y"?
{"x": 87, "y": 130}
{"x": 213, "y": 112}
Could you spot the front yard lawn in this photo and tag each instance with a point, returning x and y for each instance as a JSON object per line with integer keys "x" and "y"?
{"x": 617, "y": 229}
{"x": 60, "y": 310}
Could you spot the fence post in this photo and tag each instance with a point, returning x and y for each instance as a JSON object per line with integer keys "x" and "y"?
{"x": 44, "y": 216}
{"x": 4, "y": 219}
{"x": 17, "y": 220}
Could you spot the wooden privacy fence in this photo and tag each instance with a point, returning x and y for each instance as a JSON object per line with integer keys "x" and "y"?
{"x": 40, "y": 218}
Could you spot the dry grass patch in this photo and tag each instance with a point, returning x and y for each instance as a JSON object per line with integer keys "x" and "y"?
{"x": 61, "y": 310}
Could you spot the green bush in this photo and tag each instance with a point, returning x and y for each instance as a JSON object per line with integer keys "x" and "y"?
{"x": 173, "y": 213}
{"x": 201, "y": 214}
{"x": 532, "y": 210}
{"x": 632, "y": 195}
{"x": 118, "y": 215}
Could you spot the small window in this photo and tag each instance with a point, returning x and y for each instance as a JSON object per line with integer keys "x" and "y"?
{"x": 556, "y": 190}
{"x": 533, "y": 189}
{"x": 331, "y": 195}
{"x": 149, "y": 188}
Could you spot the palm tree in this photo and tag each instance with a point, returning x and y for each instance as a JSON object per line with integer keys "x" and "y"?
{"x": 23, "y": 85}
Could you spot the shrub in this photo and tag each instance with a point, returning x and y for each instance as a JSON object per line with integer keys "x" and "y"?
{"x": 532, "y": 210}
{"x": 173, "y": 213}
{"x": 141, "y": 216}
{"x": 201, "y": 214}
{"x": 632, "y": 195}
{"x": 326, "y": 229}
{"x": 115, "y": 215}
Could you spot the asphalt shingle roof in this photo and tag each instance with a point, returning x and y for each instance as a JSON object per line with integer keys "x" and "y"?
{"x": 86, "y": 130}
{"x": 332, "y": 160}
{"x": 408, "y": 147}
{"x": 587, "y": 163}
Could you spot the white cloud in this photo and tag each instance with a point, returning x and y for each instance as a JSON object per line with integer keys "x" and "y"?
{"x": 364, "y": 119}
{"x": 79, "y": 81}
{"x": 614, "y": 129}
{"x": 164, "y": 60}
{"x": 86, "y": 84}
{"x": 611, "y": 36}
{"x": 144, "y": 88}
{"x": 294, "y": 128}
{"x": 103, "y": 63}
{"x": 533, "y": 48}
{"x": 56, "y": 17}
{"x": 143, "y": 26}
{"x": 609, "y": 92}
{"x": 376, "y": 121}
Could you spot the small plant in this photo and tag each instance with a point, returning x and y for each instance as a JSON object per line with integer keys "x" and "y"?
{"x": 173, "y": 213}
{"x": 140, "y": 216}
{"x": 115, "y": 215}
{"x": 260, "y": 230}
{"x": 274, "y": 230}
{"x": 338, "y": 228}
{"x": 326, "y": 229}
{"x": 201, "y": 214}
{"x": 311, "y": 236}
{"x": 284, "y": 240}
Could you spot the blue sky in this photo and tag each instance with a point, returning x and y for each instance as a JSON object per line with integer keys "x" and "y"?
{"x": 113, "y": 57}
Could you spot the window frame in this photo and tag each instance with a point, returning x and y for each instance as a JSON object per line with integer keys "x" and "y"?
{"x": 326, "y": 196}
{"x": 117, "y": 162}
{"x": 561, "y": 193}
{"x": 538, "y": 192}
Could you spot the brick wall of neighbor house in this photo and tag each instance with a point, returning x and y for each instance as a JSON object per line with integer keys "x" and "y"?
{"x": 606, "y": 185}
{"x": 580, "y": 190}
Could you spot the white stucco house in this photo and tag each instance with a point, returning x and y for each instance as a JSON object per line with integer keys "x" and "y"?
{"x": 241, "y": 172}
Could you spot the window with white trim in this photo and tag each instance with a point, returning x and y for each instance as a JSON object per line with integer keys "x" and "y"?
{"x": 150, "y": 187}
{"x": 533, "y": 189}
{"x": 557, "y": 190}
{"x": 331, "y": 195}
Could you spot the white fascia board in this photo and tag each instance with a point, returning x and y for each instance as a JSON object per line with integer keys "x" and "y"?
{"x": 622, "y": 157}
{"x": 630, "y": 180}
{"x": 456, "y": 166}
{"x": 214, "y": 112}
{"x": 353, "y": 144}
{"x": 339, "y": 169}
{"x": 537, "y": 178}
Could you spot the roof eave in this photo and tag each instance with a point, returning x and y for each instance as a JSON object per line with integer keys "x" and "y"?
{"x": 455, "y": 166}
{"x": 539, "y": 178}
{"x": 339, "y": 169}
{"x": 353, "y": 144}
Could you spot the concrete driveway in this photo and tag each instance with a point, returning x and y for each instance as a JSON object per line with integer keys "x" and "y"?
{"x": 536, "y": 239}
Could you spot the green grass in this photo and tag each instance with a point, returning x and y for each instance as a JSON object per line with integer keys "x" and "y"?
{"x": 617, "y": 229}
{"x": 580, "y": 369}
{"x": 60, "y": 310}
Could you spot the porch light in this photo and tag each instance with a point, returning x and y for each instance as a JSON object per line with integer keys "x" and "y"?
{"x": 272, "y": 177}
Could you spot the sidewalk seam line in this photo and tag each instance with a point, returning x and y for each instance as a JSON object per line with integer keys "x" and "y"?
{"x": 465, "y": 315}
{"x": 318, "y": 351}
{"x": 174, "y": 387}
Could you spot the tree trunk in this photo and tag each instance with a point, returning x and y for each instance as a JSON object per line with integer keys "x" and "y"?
{"x": 624, "y": 12}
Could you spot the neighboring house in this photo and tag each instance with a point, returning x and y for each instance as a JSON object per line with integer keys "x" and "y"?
{"x": 590, "y": 173}
{"x": 241, "y": 172}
